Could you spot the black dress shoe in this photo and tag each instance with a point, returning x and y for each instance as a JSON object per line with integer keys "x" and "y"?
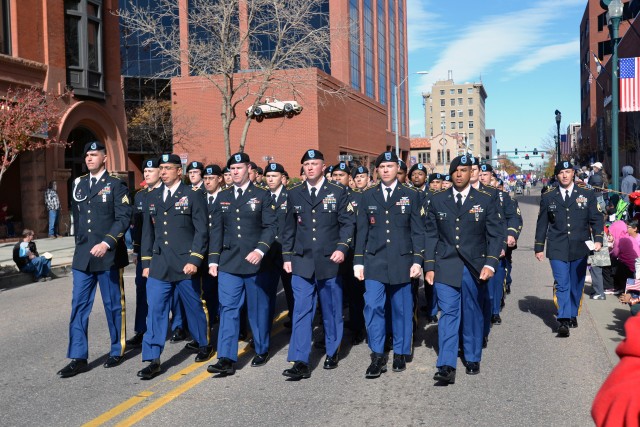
{"x": 399, "y": 363}
{"x": 573, "y": 323}
{"x": 75, "y": 367}
{"x": 358, "y": 337}
{"x": 136, "y": 341}
{"x": 192, "y": 346}
{"x": 178, "y": 335}
{"x": 298, "y": 371}
{"x": 113, "y": 361}
{"x": 260, "y": 360}
{"x": 224, "y": 366}
{"x": 150, "y": 371}
{"x": 331, "y": 362}
{"x": 378, "y": 365}
{"x": 473, "y": 368}
{"x": 496, "y": 320}
{"x": 204, "y": 353}
{"x": 445, "y": 374}
{"x": 563, "y": 329}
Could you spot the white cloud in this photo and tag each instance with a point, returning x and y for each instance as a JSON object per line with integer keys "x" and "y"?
{"x": 494, "y": 39}
{"x": 422, "y": 25}
{"x": 546, "y": 54}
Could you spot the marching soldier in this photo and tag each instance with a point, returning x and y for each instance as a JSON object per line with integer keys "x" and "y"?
{"x": 174, "y": 243}
{"x": 463, "y": 243}
{"x": 568, "y": 218}
{"x": 195, "y": 171}
{"x": 388, "y": 254}
{"x": 320, "y": 223}
{"x": 402, "y": 173}
{"x": 101, "y": 205}
{"x": 360, "y": 177}
{"x": 152, "y": 180}
{"x": 243, "y": 230}
{"x": 226, "y": 176}
{"x": 447, "y": 183}
{"x": 212, "y": 184}
{"x": 431, "y": 307}
{"x": 418, "y": 176}
{"x": 435, "y": 181}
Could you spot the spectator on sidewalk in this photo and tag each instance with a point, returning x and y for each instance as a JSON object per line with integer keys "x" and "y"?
{"x": 600, "y": 262}
{"x": 597, "y": 179}
{"x": 629, "y": 183}
{"x": 625, "y": 247}
{"x": 26, "y": 257}
{"x": 52, "y": 203}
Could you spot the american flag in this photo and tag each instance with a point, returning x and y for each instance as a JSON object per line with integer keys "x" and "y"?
{"x": 629, "y": 84}
{"x": 632, "y": 285}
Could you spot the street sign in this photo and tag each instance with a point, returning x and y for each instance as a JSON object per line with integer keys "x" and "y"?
{"x": 184, "y": 157}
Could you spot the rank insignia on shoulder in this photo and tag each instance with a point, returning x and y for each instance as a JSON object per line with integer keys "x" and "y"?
{"x": 125, "y": 199}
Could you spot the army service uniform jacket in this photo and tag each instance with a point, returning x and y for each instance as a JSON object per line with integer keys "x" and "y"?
{"x": 567, "y": 225}
{"x": 471, "y": 236}
{"x": 273, "y": 258}
{"x": 240, "y": 226}
{"x": 316, "y": 229}
{"x": 389, "y": 234}
{"x": 174, "y": 232}
{"x": 103, "y": 214}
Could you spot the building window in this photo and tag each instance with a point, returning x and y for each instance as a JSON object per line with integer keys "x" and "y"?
{"x": 442, "y": 102}
{"x": 469, "y": 90}
{"x": 470, "y": 136}
{"x": 5, "y": 28}
{"x": 83, "y": 40}
{"x": 448, "y": 156}
{"x": 382, "y": 53}
{"x": 354, "y": 43}
{"x": 439, "y": 156}
{"x": 470, "y": 113}
{"x": 459, "y": 91}
{"x": 453, "y": 125}
{"x": 368, "y": 49}
{"x": 452, "y": 91}
{"x": 459, "y": 101}
{"x": 470, "y": 100}
{"x": 460, "y": 114}
{"x": 442, "y": 93}
{"x": 452, "y": 113}
{"x": 452, "y": 102}
{"x": 470, "y": 124}
{"x": 391, "y": 8}
{"x": 460, "y": 125}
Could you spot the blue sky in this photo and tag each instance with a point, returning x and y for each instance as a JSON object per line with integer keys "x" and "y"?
{"x": 526, "y": 52}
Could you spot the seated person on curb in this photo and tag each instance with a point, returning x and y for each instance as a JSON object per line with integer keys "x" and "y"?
{"x": 26, "y": 257}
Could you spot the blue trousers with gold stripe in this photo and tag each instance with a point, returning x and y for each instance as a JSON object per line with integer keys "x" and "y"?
{"x": 160, "y": 297}
{"x": 401, "y": 303}
{"x": 569, "y": 276}
{"x": 84, "y": 292}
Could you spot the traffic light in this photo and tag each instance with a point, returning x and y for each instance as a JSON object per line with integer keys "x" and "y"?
{"x": 535, "y": 151}
{"x": 526, "y": 157}
{"x": 542, "y": 155}
{"x": 498, "y": 152}
{"x": 516, "y": 151}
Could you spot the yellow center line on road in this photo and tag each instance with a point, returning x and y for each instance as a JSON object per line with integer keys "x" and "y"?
{"x": 169, "y": 395}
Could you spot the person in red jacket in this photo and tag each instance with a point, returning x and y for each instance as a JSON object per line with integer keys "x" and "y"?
{"x": 618, "y": 403}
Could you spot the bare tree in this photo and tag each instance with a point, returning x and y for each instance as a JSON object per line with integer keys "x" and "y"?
{"x": 240, "y": 47}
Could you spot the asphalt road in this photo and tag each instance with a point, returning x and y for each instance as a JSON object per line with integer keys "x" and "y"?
{"x": 528, "y": 376}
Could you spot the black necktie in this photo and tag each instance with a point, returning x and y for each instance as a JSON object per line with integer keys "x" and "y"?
{"x": 273, "y": 198}
{"x": 93, "y": 182}
{"x": 210, "y": 200}
{"x": 313, "y": 194}
{"x": 459, "y": 202}
{"x": 388, "y": 190}
{"x": 239, "y": 193}
{"x": 566, "y": 195}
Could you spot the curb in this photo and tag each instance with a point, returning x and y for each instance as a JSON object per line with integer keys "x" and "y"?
{"x": 18, "y": 279}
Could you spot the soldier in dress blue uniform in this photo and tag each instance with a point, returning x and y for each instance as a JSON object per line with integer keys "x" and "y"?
{"x": 568, "y": 218}
{"x": 463, "y": 243}
{"x": 418, "y": 176}
{"x": 152, "y": 179}
{"x": 320, "y": 225}
{"x": 388, "y": 254}
{"x": 446, "y": 182}
{"x": 101, "y": 205}
{"x": 174, "y": 244}
{"x": 243, "y": 230}
{"x": 273, "y": 262}
{"x": 402, "y": 173}
{"x": 195, "y": 173}
{"x": 212, "y": 183}
{"x": 360, "y": 176}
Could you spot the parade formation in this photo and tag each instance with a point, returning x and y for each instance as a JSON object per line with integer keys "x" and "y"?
{"x": 213, "y": 247}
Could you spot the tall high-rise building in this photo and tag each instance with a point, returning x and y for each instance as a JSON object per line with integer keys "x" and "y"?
{"x": 452, "y": 108}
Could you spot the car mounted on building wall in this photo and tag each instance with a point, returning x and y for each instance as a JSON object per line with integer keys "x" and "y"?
{"x": 274, "y": 108}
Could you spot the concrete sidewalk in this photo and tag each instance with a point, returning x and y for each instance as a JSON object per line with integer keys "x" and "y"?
{"x": 61, "y": 248}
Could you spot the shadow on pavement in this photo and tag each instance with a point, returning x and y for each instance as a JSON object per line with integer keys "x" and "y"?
{"x": 545, "y": 309}
{"x": 620, "y": 316}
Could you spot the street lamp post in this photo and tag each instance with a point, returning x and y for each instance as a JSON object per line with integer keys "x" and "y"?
{"x": 614, "y": 16}
{"x": 395, "y": 108}
{"x": 558, "y": 120}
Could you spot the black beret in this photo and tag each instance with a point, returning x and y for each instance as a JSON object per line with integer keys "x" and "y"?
{"x": 93, "y": 146}
{"x": 500, "y": 182}
{"x": 285, "y": 173}
{"x": 151, "y": 164}
{"x": 447, "y": 178}
{"x": 274, "y": 167}
{"x": 486, "y": 168}
{"x": 212, "y": 170}
{"x": 329, "y": 169}
{"x": 312, "y": 155}
{"x": 387, "y": 156}
{"x": 402, "y": 164}
{"x": 259, "y": 170}
{"x": 238, "y": 158}
{"x": 359, "y": 170}
{"x": 460, "y": 161}
{"x": 253, "y": 165}
{"x": 436, "y": 175}
{"x": 170, "y": 158}
{"x": 342, "y": 166}
{"x": 226, "y": 170}
{"x": 417, "y": 166}
{"x": 562, "y": 166}
{"x": 195, "y": 165}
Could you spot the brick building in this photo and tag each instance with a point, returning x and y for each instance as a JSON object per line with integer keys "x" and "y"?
{"x": 53, "y": 45}
{"x": 371, "y": 63}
